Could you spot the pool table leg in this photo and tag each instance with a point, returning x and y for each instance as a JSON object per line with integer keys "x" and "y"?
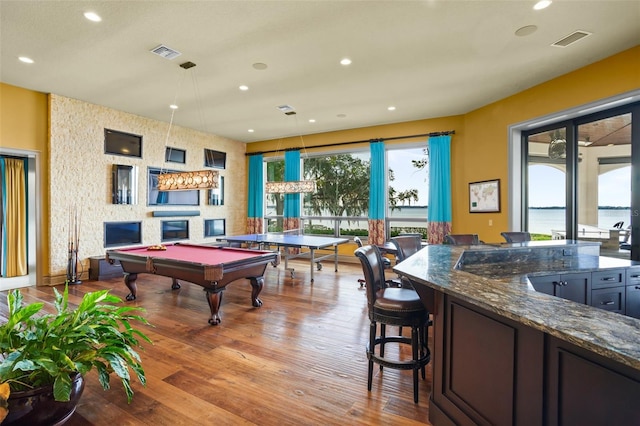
{"x": 215, "y": 300}
{"x": 130, "y": 282}
{"x": 256, "y": 287}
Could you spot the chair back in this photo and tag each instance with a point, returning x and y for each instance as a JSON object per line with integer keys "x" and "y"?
{"x": 462, "y": 239}
{"x": 406, "y": 245}
{"x": 373, "y": 270}
{"x": 516, "y": 237}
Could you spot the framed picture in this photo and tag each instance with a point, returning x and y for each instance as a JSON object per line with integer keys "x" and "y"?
{"x": 484, "y": 197}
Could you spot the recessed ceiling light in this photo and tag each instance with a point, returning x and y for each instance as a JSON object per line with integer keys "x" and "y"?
{"x": 526, "y": 30}
{"x": 312, "y": 120}
{"x": 259, "y": 66}
{"x": 250, "y": 130}
{"x": 243, "y": 88}
{"x": 25, "y": 60}
{"x": 542, "y": 4}
{"x": 92, "y": 16}
{"x": 345, "y": 61}
{"x": 173, "y": 106}
{"x": 391, "y": 108}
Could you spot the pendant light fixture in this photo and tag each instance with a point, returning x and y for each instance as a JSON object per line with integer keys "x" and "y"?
{"x": 187, "y": 180}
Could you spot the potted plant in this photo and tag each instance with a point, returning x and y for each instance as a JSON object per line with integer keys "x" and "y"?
{"x": 45, "y": 356}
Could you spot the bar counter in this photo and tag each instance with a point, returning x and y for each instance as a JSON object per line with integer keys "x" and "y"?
{"x": 490, "y": 284}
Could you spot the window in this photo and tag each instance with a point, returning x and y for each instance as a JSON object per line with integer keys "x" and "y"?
{"x": 408, "y": 187}
{"x": 340, "y": 205}
{"x": 274, "y": 202}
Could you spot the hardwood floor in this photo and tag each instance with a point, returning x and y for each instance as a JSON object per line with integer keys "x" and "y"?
{"x": 298, "y": 360}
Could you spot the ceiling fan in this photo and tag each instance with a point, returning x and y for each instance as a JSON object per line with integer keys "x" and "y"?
{"x": 557, "y": 147}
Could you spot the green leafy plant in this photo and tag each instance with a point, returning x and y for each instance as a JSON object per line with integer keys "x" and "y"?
{"x": 48, "y": 349}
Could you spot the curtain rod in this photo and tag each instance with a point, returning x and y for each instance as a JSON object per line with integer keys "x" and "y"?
{"x": 432, "y": 134}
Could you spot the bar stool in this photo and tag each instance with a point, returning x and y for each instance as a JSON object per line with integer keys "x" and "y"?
{"x": 393, "y": 306}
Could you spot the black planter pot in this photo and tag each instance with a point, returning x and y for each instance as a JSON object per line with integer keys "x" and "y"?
{"x": 37, "y": 407}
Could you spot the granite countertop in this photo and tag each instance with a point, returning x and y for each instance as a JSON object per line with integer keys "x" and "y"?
{"x": 494, "y": 277}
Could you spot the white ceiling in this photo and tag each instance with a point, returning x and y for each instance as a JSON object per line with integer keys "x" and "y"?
{"x": 427, "y": 58}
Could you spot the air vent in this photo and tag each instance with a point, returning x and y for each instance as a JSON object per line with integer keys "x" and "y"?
{"x": 571, "y": 38}
{"x": 165, "y": 52}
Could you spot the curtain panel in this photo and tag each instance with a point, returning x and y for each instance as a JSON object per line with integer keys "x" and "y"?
{"x": 377, "y": 194}
{"x": 13, "y": 180}
{"x": 255, "y": 199}
{"x": 439, "y": 212}
{"x": 291, "y": 201}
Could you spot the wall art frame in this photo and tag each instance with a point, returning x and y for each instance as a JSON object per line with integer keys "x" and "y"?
{"x": 484, "y": 196}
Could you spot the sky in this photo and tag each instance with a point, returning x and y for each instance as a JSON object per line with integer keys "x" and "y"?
{"x": 407, "y": 176}
{"x": 547, "y": 187}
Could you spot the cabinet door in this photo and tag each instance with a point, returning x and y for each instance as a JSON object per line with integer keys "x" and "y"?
{"x": 546, "y": 284}
{"x": 576, "y": 287}
{"x": 633, "y": 301}
{"x": 583, "y": 388}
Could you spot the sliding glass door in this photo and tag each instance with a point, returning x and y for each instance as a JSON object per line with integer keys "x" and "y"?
{"x": 582, "y": 181}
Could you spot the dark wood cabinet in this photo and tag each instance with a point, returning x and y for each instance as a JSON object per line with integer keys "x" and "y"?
{"x": 490, "y": 370}
{"x": 632, "y": 288}
{"x": 574, "y": 286}
{"x": 100, "y": 269}
{"x": 584, "y": 388}
{"x": 487, "y": 370}
{"x": 615, "y": 290}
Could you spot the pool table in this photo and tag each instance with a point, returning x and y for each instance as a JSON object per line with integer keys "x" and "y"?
{"x": 212, "y": 267}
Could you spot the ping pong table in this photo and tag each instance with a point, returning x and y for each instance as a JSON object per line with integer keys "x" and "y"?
{"x": 288, "y": 240}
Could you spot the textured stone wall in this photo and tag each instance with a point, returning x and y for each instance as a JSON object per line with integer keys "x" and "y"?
{"x": 80, "y": 178}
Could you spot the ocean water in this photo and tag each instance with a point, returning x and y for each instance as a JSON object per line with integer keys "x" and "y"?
{"x": 541, "y": 221}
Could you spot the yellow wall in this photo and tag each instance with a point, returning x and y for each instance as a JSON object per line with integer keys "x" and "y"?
{"x": 24, "y": 125}
{"x": 479, "y": 148}
{"x": 482, "y": 155}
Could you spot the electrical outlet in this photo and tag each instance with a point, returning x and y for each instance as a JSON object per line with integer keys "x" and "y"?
{"x": 490, "y": 222}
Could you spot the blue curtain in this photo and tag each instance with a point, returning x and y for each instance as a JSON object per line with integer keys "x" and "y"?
{"x": 292, "y": 173}
{"x": 377, "y": 194}
{"x": 256, "y": 187}
{"x": 439, "y": 212}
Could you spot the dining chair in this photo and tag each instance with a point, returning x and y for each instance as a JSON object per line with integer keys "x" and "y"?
{"x": 462, "y": 239}
{"x": 516, "y": 236}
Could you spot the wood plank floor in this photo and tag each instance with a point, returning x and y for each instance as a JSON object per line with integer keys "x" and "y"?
{"x": 298, "y": 360}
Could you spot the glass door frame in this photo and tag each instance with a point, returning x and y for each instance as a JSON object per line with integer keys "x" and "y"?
{"x": 571, "y": 181}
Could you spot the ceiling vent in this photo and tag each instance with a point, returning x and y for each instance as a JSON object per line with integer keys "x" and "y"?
{"x": 571, "y": 38}
{"x": 165, "y": 52}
